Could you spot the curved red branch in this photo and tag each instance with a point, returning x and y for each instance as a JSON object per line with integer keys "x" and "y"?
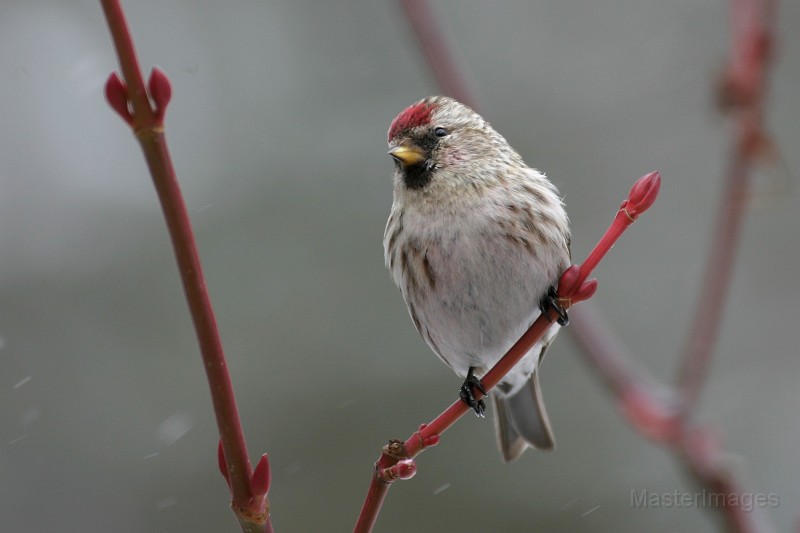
{"x": 572, "y": 289}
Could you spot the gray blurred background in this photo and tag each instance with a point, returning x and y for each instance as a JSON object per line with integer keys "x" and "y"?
{"x": 277, "y": 127}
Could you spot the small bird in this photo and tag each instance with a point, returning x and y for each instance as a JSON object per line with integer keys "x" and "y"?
{"x": 476, "y": 242}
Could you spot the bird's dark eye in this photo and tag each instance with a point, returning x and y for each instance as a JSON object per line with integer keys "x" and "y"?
{"x": 440, "y": 132}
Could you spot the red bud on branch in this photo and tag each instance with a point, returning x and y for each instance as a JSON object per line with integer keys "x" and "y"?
{"x": 585, "y": 291}
{"x": 259, "y": 483}
{"x": 573, "y": 289}
{"x": 405, "y": 469}
{"x": 222, "y": 464}
{"x": 642, "y": 195}
{"x": 160, "y": 90}
{"x": 117, "y": 96}
{"x": 640, "y": 198}
{"x": 569, "y": 281}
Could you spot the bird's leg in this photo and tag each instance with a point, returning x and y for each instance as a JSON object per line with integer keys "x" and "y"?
{"x": 550, "y": 300}
{"x": 468, "y": 397}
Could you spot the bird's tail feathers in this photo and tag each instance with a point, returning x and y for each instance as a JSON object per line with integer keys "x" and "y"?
{"x": 521, "y": 421}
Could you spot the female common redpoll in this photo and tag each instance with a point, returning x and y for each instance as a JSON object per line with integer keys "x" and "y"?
{"x": 475, "y": 240}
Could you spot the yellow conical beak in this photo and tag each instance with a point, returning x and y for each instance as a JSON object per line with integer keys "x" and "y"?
{"x": 408, "y": 155}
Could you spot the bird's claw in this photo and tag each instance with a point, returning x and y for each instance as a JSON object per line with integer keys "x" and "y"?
{"x": 468, "y": 397}
{"x": 551, "y": 301}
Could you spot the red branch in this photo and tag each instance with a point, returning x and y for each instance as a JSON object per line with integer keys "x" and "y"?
{"x": 143, "y": 110}
{"x": 658, "y": 412}
{"x": 572, "y": 288}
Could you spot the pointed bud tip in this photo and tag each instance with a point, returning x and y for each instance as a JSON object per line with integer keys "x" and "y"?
{"x": 117, "y": 96}
{"x": 643, "y": 193}
{"x": 259, "y": 483}
{"x": 222, "y": 464}
{"x": 160, "y": 90}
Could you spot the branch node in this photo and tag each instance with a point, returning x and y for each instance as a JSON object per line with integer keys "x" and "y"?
{"x": 572, "y": 289}
{"x": 395, "y": 449}
{"x": 248, "y": 515}
{"x": 704, "y": 447}
{"x": 148, "y": 132}
{"x": 627, "y": 213}
{"x": 655, "y": 419}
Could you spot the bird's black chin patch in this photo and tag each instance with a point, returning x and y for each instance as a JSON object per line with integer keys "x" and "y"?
{"x": 417, "y": 176}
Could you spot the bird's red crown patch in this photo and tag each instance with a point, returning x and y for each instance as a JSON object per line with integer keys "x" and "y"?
{"x": 416, "y": 115}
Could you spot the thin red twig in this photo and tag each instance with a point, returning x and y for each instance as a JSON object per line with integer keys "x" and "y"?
{"x": 132, "y": 101}
{"x": 572, "y": 288}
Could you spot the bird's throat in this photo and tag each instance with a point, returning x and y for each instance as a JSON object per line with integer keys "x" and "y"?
{"x": 417, "y": 176}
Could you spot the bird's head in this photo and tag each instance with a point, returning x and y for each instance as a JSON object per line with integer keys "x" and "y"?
{"x": 439, "y": 136}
